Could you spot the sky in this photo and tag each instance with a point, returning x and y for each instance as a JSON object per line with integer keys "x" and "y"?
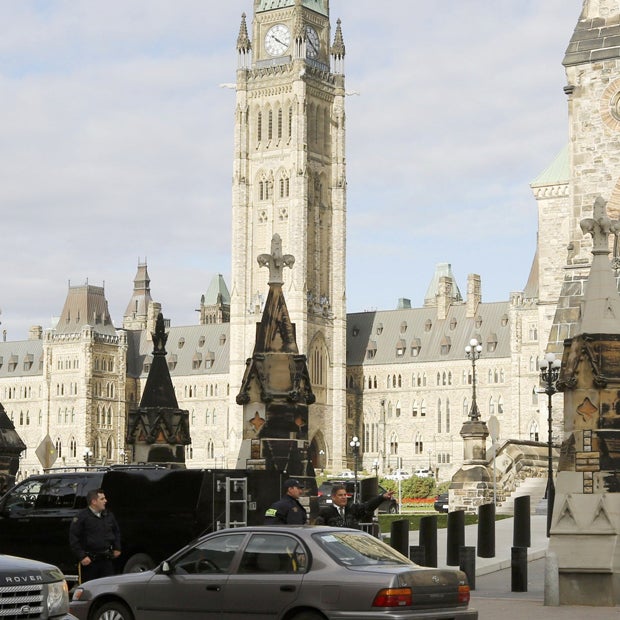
{"x": 116, "y": 146}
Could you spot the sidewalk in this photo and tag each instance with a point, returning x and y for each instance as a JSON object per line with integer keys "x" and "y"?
{"x": 503, "y": 544}
{"x": 492, "y": 596}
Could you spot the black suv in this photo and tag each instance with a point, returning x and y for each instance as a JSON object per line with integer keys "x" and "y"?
{"x": 367, "y": 487}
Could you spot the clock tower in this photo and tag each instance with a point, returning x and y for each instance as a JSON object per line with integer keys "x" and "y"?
{"x": 289, "y": 179}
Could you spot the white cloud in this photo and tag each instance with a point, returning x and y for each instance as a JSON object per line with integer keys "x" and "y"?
{"x": 116, "y": 144}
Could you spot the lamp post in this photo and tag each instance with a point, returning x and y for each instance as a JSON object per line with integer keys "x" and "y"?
{"x": 355, "y": 447}
{"x": 549, "y": 373}
{"x": 473, "y": 351}
{"x": 88, "y": 453}
{"x": 322, "y": 460}
{"x": 375, "y": 466}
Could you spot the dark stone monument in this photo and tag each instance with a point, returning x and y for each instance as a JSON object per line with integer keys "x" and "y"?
{"x": 11, "y": 446}
{"x": 275, "y": 390}
{"x": 158, "y": 430}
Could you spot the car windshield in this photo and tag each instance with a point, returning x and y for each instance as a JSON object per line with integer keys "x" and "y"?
{"x": 357, "y": 549}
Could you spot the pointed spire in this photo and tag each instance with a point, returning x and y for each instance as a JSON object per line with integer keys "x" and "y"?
{"x": 243, "y": 40}
{"x": 338, "y": 49}
{"x": 601, "y": 302}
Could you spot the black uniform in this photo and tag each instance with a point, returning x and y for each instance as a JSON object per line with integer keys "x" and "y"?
{"x": 286, "y": 511}
{"x": 96, "y": 537}
{"x": 353, "y": 514}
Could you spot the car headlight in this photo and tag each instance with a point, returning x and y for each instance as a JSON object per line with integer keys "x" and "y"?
{"x": 57, "y": 598}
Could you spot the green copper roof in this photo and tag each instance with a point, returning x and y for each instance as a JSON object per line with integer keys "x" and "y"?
{"x": 557, "y": 171}
{"x": 320, "y": 6}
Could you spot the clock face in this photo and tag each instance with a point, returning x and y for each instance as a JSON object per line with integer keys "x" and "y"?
{"x": 313, "y": 44}
{"x": 277, "y": 40}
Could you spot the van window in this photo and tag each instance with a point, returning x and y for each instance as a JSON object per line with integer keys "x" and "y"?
{"x": 23, "y": 497}
{"x": 57, "y": 493}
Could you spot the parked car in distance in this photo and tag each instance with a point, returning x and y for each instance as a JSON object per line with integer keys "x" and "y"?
{"x": 366, "y": 492}
{"x": 399, "y": 474}
{"x": 347, "y": 474}
{"x": 277, "y": 572}
{"x": 441, "y": 503}
{"x": 31, "y": 589}
{"x": 423, "y": 473}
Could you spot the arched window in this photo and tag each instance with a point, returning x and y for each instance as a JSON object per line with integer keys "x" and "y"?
{"x": 259, "y": 126}
{"x": 491, "y": 406}
{"x": 422, "y": 408}
{"x": 279, "y": 124}
{"x": 447, "y": 415}
{"x": 394, "y": 444}
{"x": 418, "y": 444}
{"x": 270, "y": 126}
{"x": 500, "y": 405}
{"x": 439, "y": 415}
{"x": 534, "y": 396}
{"x": 210, "y": 449}
{"x": 414, "y": 408}
{"x": 398, "y": 409}
{"x": 534, "y": 431}
{"x": 465, "y": 407}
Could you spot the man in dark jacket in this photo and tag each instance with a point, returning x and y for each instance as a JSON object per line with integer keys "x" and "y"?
{"x": 288, "y": 510}
{"x": 339, "y": 514}
{"x": 95, "y": 538}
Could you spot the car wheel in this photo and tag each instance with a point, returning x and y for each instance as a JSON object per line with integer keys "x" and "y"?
{"x": 138, "y": 563}
{"x": 112, "y": 610}
{"x": 393, "y": 509}
{"x": 309, "y": 615}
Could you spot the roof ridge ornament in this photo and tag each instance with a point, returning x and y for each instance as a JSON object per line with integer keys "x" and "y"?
{"x": 276, "y": 261}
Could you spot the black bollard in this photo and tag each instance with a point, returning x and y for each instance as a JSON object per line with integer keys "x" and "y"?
{"x": 486, "y": 531}
{"x": 399, "y": 536}
{"x": 428, "y": 539}
{"x": 467, "y": 563}
{"x": 456, "y": 536}
{"x": 521, "y": 526}
{"x": 518, "y": 567}
{"x": 416, "y": 554}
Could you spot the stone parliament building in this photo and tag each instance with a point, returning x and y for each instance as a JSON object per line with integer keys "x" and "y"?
{"x": 398, "y": 378}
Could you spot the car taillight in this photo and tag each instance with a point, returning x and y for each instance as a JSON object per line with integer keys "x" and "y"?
{"x": 393, "y": 597}
{"x": 319, "y": 493}
{"x": 464, "y": 594}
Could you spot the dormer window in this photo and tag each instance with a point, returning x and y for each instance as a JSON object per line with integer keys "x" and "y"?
{"x": 445, "y": 345}
{"x": 416, "y": 345}
{"x": 371, "y": 350}
{"x": 222, "y": 339}
{"x": 492, "y": 343}
{"x": 201, "y": 341}
{"x": 401, "y": 347}
{"x": 453, "y": 324}
{"x": 403, "y": 327}
{"x": 181, "y": 342}
{"x": 478, "y": 322}
{"x": 355, "y": 331}
{"x": 428, "y": 325}
{"x": 379, "y": 329}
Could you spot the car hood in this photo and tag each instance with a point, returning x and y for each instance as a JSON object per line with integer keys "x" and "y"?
{"x": 111, "y": 583}
{"x": 16, "y": 569}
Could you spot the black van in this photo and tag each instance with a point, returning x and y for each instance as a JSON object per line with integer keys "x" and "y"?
{"x": 159, "y": 510}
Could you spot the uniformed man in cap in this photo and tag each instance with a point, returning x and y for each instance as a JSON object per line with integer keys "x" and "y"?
{"x": 288, "y": 510}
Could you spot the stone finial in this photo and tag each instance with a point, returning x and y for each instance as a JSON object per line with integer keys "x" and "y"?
{"x": 276, "y": 261}
{"x": 338, "y": 48}
{"x": 601, "y": 303}
{"x": 600, "y": 227}
{"x": 160, "y": 336}
{"x": 243, "y": 40}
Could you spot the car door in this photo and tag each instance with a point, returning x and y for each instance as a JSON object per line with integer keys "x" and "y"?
{"x": 268, "y": 579}
{"x": 195, "y": 586}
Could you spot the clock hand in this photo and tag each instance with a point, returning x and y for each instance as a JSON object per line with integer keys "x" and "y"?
{"x": 280, "y": 42}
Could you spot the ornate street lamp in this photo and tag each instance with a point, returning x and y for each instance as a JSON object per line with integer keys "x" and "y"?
{"x": 88, "y": 454}
{"x": 473, "y": 351}
{"x": 355, "y": 448}
{"x": 549, "y": 373}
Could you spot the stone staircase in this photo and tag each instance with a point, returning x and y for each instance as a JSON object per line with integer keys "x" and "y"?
{"x": 535, "y": 488}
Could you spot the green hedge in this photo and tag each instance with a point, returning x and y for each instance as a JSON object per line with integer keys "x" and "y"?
{"x": 385, "y": 521}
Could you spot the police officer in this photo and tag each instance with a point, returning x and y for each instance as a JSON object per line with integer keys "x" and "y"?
{"x": 95, "y": 538}
{"x": 288, "y": 510}
{"x": 342, "y": 514}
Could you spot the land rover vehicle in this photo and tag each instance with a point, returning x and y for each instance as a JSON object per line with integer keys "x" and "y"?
{"x": 367, "y": 489}
{"x": 31, "y": 589}
{"x": 158, "y": 510}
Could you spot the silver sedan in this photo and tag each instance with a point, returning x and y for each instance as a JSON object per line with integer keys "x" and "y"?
{"x": 295, "y": 572}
